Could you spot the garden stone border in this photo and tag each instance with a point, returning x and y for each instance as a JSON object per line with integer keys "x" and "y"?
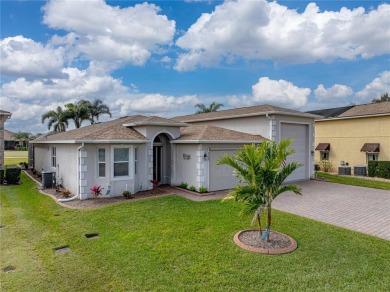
{"x": 269, "y": 251}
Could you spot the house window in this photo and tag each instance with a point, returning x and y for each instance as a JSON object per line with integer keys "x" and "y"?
{"x": 101, "y": 162}
{"x": 372, "y": 157}
{"x": 54, "y": 157}
{"x": 135, "y": 160}
{"x": 324, "y": 155}
{"x": 121, "y": 162}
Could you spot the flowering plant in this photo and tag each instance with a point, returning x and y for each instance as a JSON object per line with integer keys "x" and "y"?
{"x": 96, "y": 190}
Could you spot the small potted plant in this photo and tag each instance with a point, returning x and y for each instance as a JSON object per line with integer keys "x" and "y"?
{"x": 96, "y": 191}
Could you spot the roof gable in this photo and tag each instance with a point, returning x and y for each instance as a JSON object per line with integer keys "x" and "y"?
{"x": 368, "y": 109}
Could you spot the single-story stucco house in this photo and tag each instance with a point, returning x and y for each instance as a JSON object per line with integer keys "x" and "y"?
{"x": 129, "y": 152}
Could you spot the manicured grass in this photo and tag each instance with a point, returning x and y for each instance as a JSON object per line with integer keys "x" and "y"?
{"x": 174, "y": 244}
{"x": 354, "y": 181}
{"x": 14, "y": 161}
{"x": 13, "y": 153}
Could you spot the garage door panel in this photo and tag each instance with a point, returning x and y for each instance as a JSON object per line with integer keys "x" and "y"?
{"x": 221, "y": 177}
{"x": 299, "y": 132}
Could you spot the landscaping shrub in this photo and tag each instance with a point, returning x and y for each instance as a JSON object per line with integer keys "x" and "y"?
{"x": 1, "y": 175}
{"x": 326, "y": 166}
{"x": 317, "y": 167}
{"x": 127, "y": 194}
{"x": 12, "y": 174}
{"x": 192, "y": 188}
{"x": 379, "y": 169}
{"x": 183, "y": 185}
{"x": 202, "y": 190}
{"x": 24, "y": 165}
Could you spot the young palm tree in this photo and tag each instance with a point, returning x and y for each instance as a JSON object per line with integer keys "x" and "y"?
{"x": 22, "y": 137}
{"x": 57, "y": 118}
{"x": 213, "y": 107}
{"x": 261, "y": 170}
{"x": 78, "y": 113}
{"x": 96, "y": 108}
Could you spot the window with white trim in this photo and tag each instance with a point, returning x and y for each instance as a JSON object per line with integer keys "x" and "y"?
{"x": 101, "y": 162}
{"x": 372, "y": 157}
{"x": 121, "y": 162}
{"x": 324, "y": 155}
{"x": 54, "y": 157}
{"x": 135, "y": 160}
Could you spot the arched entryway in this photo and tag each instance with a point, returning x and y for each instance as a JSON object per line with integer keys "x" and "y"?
{"x": 162, "y": 159}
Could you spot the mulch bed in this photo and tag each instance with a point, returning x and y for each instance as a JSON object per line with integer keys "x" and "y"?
{"x": 279, "y": 243}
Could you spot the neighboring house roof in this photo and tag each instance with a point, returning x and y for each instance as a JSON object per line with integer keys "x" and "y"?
{"x": 9, "y": 136}
{"x": 331, "y": 112}
{"x": 241, "y": 112}
{"x": 208, "y": 133}
{"x": 368, "y": 109}
{"x": 106, "y": 131}
{"x": 5, "y": 113}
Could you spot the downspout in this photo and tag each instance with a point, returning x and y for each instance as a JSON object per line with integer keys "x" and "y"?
{"x": 78, "y": 176}
{"x": 270, "y": 128}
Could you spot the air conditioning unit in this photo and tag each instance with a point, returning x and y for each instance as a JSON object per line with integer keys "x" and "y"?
{"x": 360, "y": 170}
{"x": 344, "y": 170}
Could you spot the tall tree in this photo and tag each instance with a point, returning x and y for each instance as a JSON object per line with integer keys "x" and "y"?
{"x": 96, "y": 108}
{"x": 213, "y": 107}
{"x": 57, "y": 118}
{"x": 78, "y": 113}
{"x": 384, "y": 97}
{"x": 22, "y": 138}
{"x": 261, "y": 170}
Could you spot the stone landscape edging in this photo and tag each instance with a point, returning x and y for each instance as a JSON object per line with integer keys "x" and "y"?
{"x": 192, "y": 192}
{"x": 269, "y": 251}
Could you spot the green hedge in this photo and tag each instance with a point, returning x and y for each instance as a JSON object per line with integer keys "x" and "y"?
{"x": 12, "y": 174}
{"x": 1, "y": 175}
{"x": 379, "y": 169}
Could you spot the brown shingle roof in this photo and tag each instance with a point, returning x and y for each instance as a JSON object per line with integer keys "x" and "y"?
{"x": 111, "y": 130}
{"x": 213, "y": 133}
{"x": 368, "y": 109}
{"x": 370, "y": 147}
{"x": 9, "y": 136}
{"x": 258, "y": 109}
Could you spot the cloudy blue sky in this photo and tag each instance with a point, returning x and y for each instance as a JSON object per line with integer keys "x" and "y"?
{"x": 163, "y": 57}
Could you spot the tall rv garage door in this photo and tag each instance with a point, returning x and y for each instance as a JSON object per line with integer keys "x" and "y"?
{"x": 300, "y": 133}
{"x": 220, "y": 176}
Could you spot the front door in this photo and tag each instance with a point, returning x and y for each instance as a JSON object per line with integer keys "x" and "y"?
{"x": 157, "y": 150}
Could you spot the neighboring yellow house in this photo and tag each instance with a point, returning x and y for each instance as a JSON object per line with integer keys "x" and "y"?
{"x": 357, "y": 135}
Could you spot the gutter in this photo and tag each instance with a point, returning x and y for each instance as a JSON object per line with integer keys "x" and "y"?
{"x": 78, "y": 176}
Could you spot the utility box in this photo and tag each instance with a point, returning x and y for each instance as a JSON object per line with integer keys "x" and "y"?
{"x": 360, "y": 170}
{"x": 344, "y": 170}
{"x": 48, "y": 179}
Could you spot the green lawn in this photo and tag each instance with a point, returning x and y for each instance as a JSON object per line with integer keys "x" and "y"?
{"x": 15, "y": 157}
{"x": 174, "y": 244}
{"x": 354, "y": 181}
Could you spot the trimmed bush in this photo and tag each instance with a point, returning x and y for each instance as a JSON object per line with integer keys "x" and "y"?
{"x": 202, "y": 190}
{"x": 379, "y": 169}
{"x": 1, "y": 175}
{"x": 192, "y": 188}
{"x": 183, "y": 185}
{"x": 12, "y": 174}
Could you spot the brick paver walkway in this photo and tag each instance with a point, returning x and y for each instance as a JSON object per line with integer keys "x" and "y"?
{"x": 361, "y": 209}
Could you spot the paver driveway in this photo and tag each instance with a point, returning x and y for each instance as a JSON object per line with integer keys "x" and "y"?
{"x": 361, "y": 209}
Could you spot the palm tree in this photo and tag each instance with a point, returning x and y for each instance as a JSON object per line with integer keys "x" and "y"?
{"x": 22, "y": 137}
{"x": 58, "y": 119}
{"x": 213, "y": 107}
{"x": 261, "y": 170}
{"x": 96, "y": 108}
{"x": 78, "y": 113}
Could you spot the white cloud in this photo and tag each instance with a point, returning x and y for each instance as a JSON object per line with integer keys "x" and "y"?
{"x": 239, "y": 101}
{"x": 280, "y": 92}
{"x": 267, "y": 30}
{"x": 111, "y": 36}
{"x": 22, "y": 56}
{"x": 375, "y": 88}
{"x": 155, "y": 103}
{"x": 337, "y": 91}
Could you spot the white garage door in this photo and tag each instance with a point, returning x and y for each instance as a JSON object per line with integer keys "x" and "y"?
{"x": 220, "y": 176}
{"x": 300, "y": 134}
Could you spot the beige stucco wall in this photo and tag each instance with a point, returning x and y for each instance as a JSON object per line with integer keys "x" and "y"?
{"x": 347, "y": 136}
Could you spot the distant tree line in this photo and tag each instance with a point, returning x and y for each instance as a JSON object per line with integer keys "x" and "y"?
{"x": 83, "y": 110}
{"x": 384, "y": 97}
